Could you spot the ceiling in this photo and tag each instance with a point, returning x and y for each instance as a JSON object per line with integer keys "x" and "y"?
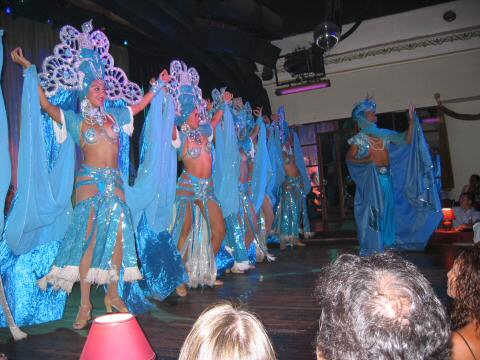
{"x": 223, "y": 39}
{"x": 307, "y": 14}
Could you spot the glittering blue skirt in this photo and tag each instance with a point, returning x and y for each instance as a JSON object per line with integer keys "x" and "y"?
{"x": 291, "y": 217}
{"x": 106, "y": 213}
{"x": 197, "y": 251}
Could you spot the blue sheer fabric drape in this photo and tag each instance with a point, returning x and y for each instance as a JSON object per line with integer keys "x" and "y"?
{"x": 27, "y": 250}
{"x": 151, "y": 200}
{"x": 276, "y": 158}
{"x": 42, "y": 207}
{"x": 226, "y": 169}
{"x": 261, "y": 169}
{"x": 5, "y": 163}
{"x": 153, "y": 192}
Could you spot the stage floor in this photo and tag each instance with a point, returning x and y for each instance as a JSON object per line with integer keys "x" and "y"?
{"x": 280, "y": 293}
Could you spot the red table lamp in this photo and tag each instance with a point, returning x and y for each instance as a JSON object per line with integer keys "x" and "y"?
{"x": 116, "y": 337}
{"x": 448, "y": 217}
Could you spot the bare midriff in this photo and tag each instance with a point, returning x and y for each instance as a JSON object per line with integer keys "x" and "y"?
{"x": 101, "y": 154}
{"x": 291, "y": 169}
{"x": 244, "y": 167}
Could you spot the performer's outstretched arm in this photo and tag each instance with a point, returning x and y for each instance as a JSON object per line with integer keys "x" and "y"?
{"x": 216, "y": 118}
{"x": 411, "y": 123}
{"x": 258, "y": 114}
{"x": 157, "y": 86}
{"x": 52, "y": 110}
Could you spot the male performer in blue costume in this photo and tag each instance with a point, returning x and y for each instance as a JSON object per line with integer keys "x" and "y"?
{"x": 396, "y": 202}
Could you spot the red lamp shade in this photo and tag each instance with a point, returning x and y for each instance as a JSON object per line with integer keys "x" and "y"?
{"x": 448, "y": 214}
{"x": 448, "y": 217}
{"x": 116, "y": 337}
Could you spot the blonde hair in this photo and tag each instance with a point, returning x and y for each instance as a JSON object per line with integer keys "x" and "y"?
{"x": 224, "y": 332}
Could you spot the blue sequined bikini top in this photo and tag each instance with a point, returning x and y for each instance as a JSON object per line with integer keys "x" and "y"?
{"x": 195, "y": 137}
{"x": 92, "y": 135}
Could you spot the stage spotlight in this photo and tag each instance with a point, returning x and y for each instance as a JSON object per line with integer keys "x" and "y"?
{"x": 115, "y": 337}
{"x": 326, "y": 35}
{"x": 125, "y": 42}
{"x": 8, "y": 10}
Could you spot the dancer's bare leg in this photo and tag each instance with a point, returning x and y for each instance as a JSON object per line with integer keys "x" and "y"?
{"x": 187, "y": 227}
{"x": 113, "y": 298}
{"x": 217, "y": 224}
{"x": 269, "y": 215}
{"x": 217, "y": 227}
{"x": 85, "y": 310}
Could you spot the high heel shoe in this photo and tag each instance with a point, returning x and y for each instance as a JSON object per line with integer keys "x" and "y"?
{"x": 82, "y": 323}
{"x": 114, "y": 303}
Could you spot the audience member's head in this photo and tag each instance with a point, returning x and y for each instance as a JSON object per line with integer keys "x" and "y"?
{"x": 379, "y": 307}
{"x": 466, "y": 200}
{"x": 464, "y": 287}
{"x": 225, "y": 332}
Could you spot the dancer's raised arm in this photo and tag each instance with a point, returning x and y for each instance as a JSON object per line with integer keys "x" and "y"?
{"x": 156, "y": 86}
{"x": 258, "y": 114}
{"x": 411, "y": 122}
{"x": 52, "y": 110}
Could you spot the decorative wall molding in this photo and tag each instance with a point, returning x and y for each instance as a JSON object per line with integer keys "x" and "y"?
{"x": 395, "y": 52}
{"x": 404, "y": 45}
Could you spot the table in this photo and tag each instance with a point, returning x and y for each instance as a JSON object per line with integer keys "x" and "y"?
{"x": 444, "y": 236}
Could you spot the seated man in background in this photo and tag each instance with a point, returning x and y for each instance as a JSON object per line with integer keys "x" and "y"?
{"x": 465, "y": 214}
{"x": 379, "y": 307}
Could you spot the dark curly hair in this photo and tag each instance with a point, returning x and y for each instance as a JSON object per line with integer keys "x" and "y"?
{"x": 466, "y": 304}
{"x": 379, "y": 307}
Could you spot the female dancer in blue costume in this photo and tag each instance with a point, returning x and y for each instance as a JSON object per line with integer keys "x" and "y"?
{"x": 99, "y": 245}
{"x": 275, "y": 181}
{"x": 291, "y": 217}
{"x": 267, "y": 215}
{"x": 258, "y": 173}
{"x": 396, "y": 202}
{"x": 243, "y": 224}
{"x": 198, "y": 227}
